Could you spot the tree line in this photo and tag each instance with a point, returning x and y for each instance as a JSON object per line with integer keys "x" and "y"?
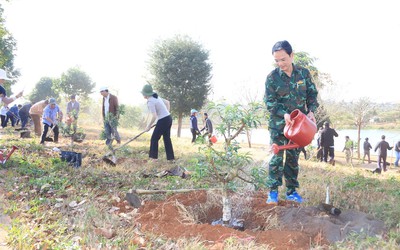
{"x": 180, "y": 71}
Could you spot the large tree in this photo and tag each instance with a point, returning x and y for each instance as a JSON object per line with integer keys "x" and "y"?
{"x": 43, "y": 90}
{"x": 75, "y": 82}
{"x": 181, "y": 74}
{"x": 7, "y": 47}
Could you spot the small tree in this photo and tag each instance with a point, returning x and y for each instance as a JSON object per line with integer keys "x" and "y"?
{"x": 227, "y": 165}
{"x": 362, "y": 112}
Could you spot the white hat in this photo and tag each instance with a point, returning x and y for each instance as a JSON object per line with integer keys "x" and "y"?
{"x": 103, "y": 88}
{"x": 3, "y": 75}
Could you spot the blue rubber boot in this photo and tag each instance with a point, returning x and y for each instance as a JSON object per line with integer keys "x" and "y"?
{"x": 294, "y": 196}
{"x": 273, "y": 197}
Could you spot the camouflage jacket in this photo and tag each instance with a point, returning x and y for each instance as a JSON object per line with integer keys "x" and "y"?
{"x": 284, "y": 94}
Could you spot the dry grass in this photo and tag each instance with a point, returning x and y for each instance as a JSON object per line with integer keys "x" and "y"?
{"x": 100, "y": 185}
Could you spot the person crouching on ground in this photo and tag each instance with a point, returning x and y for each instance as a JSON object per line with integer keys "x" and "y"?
{"x": 52, "y": 115}
{"x": 159, "y": 111}
{"x": 193, "y": 124}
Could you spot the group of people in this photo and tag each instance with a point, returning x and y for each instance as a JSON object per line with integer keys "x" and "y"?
{"x": 288, "y": 87}
{"x": 325, "y": 142}
{"x": 194, "y": 129}
{"x": 48, "y": 113}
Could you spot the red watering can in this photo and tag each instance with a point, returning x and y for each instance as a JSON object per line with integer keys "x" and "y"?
{"x": 2, "y": 160}
{"x": 300, "y": 133}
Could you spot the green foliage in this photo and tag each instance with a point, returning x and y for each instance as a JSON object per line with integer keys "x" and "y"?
{"x": 131, "y": 118}
{"x": 44, "y": 89}
{"x": 181, "y": 73}
{"x": 229, "y": 163}
{"x": 75, "y": 82}
{"x": 8, "y": 45}
{"x": 259, "y": 175}
{"x": 236, "y": 118}
{"x": 226, "y": 165}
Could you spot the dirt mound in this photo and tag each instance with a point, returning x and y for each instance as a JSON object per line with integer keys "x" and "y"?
{"x": 285, "y": 226}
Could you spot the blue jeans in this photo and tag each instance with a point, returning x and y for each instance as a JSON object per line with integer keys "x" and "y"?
{"x": 396, "y": 163}
{"x": 111, "y": 132}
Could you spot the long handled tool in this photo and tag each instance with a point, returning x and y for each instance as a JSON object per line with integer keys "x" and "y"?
{"x": 2, "y": 160}
{"x": 49, "y": 136}
{"x": 113, "y": 160}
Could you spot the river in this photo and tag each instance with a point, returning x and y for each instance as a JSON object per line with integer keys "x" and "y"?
{"x": 261, "y": 136}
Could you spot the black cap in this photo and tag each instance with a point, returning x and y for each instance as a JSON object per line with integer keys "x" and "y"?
{"x": 383, "y": 137}
{"x": 205, "y": 114}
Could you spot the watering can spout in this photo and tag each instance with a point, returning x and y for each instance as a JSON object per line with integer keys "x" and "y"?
{"x": 300, "y": 132}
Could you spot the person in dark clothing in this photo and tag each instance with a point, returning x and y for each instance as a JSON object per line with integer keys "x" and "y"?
{"x": 319, "y": 148}
{"x": 302, "y": 149}
{"x": 24, "y": 114}
{"x": 208, "y": 127}
{"x": 367, "y": 147}
{"x": 383, "y": 147}
{"x": 327, "y": 143}
{"x": 193, "y": 124}
{"x": 12, "y": 114}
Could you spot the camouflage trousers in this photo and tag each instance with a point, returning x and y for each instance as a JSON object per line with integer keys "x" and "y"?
{"x": 277, "y": 169}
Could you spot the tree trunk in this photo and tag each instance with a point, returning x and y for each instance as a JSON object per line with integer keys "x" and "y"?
{"x": 358, "y": 142}
{"x": 226, "y": 206}
{"x": 179, "y": 124}
{"x": 248, "y": 133}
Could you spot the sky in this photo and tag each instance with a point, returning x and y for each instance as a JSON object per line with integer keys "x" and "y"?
{"x": 356, "y": 42}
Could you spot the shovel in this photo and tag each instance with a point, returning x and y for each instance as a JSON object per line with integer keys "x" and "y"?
{"x": 49, "y": 135}
{"x": 113, "y": 160}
